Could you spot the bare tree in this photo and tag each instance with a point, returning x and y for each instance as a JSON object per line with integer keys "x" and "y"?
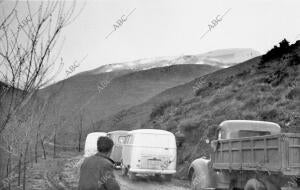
{"x": 80, "y": 130}
{"x": 8, "y": 167}
{"x": 27, "y": 53}
{"x": 28, "y": 62}
{"x": 20, "y": 168}
{"x": 43, "y": 147}
{"x": 41, "y": 118}
{"x": 25, "y": 165}
{"x": 54, "y": 141}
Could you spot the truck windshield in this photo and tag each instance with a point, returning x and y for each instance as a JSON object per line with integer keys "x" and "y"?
{"x": 155, "y": 140}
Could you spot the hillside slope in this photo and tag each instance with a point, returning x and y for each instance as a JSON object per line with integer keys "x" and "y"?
{"x": 127, "y": 119}
{"x": 246, "y": 91}
{"x": 108, "y": 89}
{"x": 82, "y": 95}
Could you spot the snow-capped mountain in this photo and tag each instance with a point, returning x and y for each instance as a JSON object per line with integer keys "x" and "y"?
{"x": 222, "y": 58}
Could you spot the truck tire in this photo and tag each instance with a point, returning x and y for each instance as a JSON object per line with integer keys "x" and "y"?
{"x": 190, "y": 175}
{"x": 254, "y": 184}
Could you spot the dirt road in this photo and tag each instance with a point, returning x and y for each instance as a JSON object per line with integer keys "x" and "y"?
{"x": 63, "y": 173}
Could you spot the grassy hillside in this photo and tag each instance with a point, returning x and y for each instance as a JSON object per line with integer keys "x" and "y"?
{"x": 81, "y": 95}
{"x": 259, "y": 89}
{"x": 135, "y": 116}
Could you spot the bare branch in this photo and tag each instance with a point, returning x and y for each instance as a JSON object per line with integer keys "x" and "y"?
{"x": 26, "y": 51}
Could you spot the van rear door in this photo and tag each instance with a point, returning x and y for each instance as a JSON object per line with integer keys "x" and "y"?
{"x": 157, "y": 151}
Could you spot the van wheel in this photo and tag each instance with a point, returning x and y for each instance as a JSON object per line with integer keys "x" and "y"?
{"x": 157, "y": 176}
{"x": 254, "y": 184}
{"x": 132, "y": 176}
{"x": 168, "y": 177}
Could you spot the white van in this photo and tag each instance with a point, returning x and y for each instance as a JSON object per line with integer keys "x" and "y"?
{"x": 149, "y": 151}
{"x": 90, "y": 147}
{"x": 118, "y": 137}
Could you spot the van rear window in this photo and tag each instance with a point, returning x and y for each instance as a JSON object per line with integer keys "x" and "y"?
{"x": 154, "y": 140}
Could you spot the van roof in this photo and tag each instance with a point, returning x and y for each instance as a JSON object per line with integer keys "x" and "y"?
{"x": 236, "y": 125}
{"x": 151, "y": 131}
{"x": 97, "y": 134}
{"x": 118, "y": 131}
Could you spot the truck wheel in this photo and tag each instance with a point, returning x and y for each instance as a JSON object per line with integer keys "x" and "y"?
{"x": 254, "y": 184}
{"x": 132, "y": 176}
{"x": 190, "y": 175}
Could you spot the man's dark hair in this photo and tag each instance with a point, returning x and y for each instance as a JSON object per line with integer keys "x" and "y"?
{"x": 104, "y": 144}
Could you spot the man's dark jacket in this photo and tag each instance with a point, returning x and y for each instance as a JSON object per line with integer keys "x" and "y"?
{"x": 96, "y": 173}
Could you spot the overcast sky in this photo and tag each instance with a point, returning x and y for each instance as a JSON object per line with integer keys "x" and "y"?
{"x": 172, "y": 27}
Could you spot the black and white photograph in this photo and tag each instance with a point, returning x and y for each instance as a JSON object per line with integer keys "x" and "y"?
{"x": 149, "y": 95}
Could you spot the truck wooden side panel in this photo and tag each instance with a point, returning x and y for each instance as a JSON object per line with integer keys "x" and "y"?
{"x": 271, "y": 153}
{"x": 293, "y": 155}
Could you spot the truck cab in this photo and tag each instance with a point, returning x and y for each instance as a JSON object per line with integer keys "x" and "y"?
{"x": 231, "y": 129}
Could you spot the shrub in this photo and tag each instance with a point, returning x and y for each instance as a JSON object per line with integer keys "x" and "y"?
{"x": 239, "y": 96}
{"x": 269, "y": 100}
{"x": 171, "y": 125}
{"x": 295, "y": 60}
{"x": 203, "y": 92}
{"x": 244, "y": 73}
{"x": 294, "y": 94}
{"x": 249, "y": 116}
{"x": 221, "y": 98}
{"x": 193, "y": 129}
{"x": 277, "y": 77}
{"x": 268, "y": 115}
{"x": 160, "y": 109}
{"x": 188, "y": 125}
{"x": 251, "y": 103}
{"x": 275, "y": 53}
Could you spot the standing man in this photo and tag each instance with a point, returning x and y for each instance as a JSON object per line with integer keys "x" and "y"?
{"x": 96, "y": 172}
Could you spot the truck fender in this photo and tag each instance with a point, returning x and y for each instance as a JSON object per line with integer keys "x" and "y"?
{"x": 204, "y": 176}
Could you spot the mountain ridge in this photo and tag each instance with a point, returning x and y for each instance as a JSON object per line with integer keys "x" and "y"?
{"x": 221, "y": 57}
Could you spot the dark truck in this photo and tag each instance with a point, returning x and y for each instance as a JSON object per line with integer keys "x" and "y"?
{"x": 250, "y": 155}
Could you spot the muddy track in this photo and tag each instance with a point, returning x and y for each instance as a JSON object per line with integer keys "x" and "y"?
{"x": 63, "y": 174}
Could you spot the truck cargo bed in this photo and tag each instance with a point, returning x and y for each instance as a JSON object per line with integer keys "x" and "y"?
{"x": 271, "y": 153}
